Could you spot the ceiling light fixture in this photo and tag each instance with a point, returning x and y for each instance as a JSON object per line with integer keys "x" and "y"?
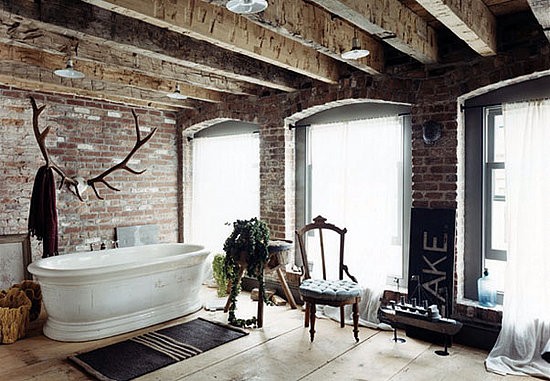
{"x": 356, "y": 52}
{"x": 69, "y": 71}
{"x": 246, "y": 7}
{"x": 176, "y": 94}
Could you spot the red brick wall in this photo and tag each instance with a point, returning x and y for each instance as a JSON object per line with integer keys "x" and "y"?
{"x": 86, "y": 137}
{"x": 433, "y": 94}
{"x": 153, "y": 197}
{"x": 277, "y": 140}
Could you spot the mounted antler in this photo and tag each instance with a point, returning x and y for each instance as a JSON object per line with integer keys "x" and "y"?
{"x": 75, "y": 182}
{"x": 124, "y": 163}
{"x": 41, "y": 138}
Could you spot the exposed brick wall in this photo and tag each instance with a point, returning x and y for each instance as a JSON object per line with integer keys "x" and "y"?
{"x": 273, "y": 114}
{"x": 87, "y": 137}
{"x": 153, "y": 197}
{"x": 434, "y": 167}
{"x": 433, "y": 93}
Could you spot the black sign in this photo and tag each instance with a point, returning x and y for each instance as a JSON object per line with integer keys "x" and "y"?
{"x": 431, "y": 258}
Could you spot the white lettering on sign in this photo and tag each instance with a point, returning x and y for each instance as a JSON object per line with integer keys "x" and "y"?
{"x": 434, "y": 246}
{"x": 433, "y": 285}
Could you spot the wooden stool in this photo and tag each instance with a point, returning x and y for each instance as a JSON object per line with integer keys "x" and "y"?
{"x": 278, "y": 257}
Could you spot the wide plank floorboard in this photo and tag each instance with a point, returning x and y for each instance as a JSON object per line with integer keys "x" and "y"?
{"x": 279, "y": 351}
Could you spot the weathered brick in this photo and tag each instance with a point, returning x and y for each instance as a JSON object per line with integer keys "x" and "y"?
{"x": 84, "y": 147}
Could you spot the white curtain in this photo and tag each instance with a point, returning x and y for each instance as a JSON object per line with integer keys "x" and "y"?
{"x": 226, "y": 186}
{"x": 525, "y": 333}
{"x": 356, "y": 183}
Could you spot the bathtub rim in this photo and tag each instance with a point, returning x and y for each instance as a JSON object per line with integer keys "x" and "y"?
{"x": 149, "y": 265}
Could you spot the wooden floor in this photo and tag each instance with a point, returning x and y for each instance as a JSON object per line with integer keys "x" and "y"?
{"x": 281, "y": 350}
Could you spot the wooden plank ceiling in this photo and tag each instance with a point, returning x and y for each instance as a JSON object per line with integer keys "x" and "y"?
{"x": 137, "y": 51}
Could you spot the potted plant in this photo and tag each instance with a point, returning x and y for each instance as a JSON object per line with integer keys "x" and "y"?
{"x": 246, "y": 249}
{"x": 219, "y": 274}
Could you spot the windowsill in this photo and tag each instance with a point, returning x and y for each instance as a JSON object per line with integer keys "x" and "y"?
{"x": 472, "y": 312}
{"x": 465, "y": 309}
{"x": 463, "y": 302}
{"x": 475, "y": 304}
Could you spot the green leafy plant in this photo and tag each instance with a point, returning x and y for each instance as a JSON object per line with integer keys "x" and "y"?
{"x": 219, "y": 274}
{"x": 245, "y": 249}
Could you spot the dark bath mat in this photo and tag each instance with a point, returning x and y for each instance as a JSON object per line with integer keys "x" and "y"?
{"x": 151, "y": 351}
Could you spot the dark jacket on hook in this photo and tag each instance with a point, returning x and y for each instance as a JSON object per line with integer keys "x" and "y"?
{"x": 43, "y": 211}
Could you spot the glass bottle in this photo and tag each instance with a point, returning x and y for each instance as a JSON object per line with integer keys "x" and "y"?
{"x": 486, "y": 289}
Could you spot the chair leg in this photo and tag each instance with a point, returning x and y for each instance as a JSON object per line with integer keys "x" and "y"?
{"x": 312, "y": 321}
{"x": 342, "y": 323}
{"x": 306, "y": 317}
{"x": 356, "y": 321}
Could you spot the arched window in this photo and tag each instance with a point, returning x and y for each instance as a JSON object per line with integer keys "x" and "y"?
{"x": 354, "y": 168}
{"x": 226, "y": 181}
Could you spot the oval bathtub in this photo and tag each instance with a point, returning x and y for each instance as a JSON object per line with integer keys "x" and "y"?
{"x": 96, "y": 294}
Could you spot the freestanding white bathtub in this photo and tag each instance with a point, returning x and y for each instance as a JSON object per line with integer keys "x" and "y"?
{"x": 103, "y": 293}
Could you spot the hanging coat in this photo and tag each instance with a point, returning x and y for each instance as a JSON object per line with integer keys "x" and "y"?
{"x": 43, "y": 211}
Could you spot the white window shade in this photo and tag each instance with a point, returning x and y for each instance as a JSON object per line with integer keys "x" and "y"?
{"x": 357, "y": 183}
{"x": 226, "y": 186}
{"x": 525, "y": 332}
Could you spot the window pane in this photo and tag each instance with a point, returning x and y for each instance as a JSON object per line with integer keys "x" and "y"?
{"x": 498, "y": 236}
{"x": 498, "y": 144}
{"x": 497, "y": 270}
{"x": 498, "y": 210}
{"x": 498, "y": 186}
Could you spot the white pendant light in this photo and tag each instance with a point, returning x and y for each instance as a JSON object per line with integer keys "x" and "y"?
{"x": 246, "y": 7}
{"x": 356, "y": 52}
{"x": 176, "y": 94}
{"x": 69, "y": 71}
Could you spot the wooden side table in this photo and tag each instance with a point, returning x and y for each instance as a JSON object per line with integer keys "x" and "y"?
{"x": 278, "y": 258}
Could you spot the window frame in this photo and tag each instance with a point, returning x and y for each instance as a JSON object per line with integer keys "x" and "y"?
{"x": 221, "y": 129}
{"x": 303, "y": 188}
{"x": 471, "y": 174}
{"x": 489, "y": 165}
{"x": 477, "y": 196}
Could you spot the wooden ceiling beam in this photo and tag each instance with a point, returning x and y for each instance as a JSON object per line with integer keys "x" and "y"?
{"x": 317, "y": 28}
{"x": 92, "y": 50}
{"x": 87, "y": 22}
{"x": 470, "y": 20}
{"x": 391, "y": 21}
{"x": 227, "y": 30}
{"x": 541, "y": 10}
{"x": 104, "y": 72}
{"x": 34, "y": 78}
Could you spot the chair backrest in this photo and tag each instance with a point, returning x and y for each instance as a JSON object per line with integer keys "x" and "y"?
{"x": 320, "y": 224}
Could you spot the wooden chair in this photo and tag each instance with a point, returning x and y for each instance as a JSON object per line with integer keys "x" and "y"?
{"x": 335, "y": 292}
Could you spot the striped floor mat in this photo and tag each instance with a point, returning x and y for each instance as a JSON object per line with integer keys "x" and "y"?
{"x": 146, "y": 353}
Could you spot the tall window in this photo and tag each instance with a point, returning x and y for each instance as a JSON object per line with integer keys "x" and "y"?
{"x": 494, "y": 189}
{"x": 226, "y": 186}
{"x": 358, "y": 177}
{"x": 485, "y": 243}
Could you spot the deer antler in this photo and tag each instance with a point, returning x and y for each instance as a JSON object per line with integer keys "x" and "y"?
{"x": 73, "y": 181}
{"x": 124, "y": 163}
{"x": 41, "y": 138}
